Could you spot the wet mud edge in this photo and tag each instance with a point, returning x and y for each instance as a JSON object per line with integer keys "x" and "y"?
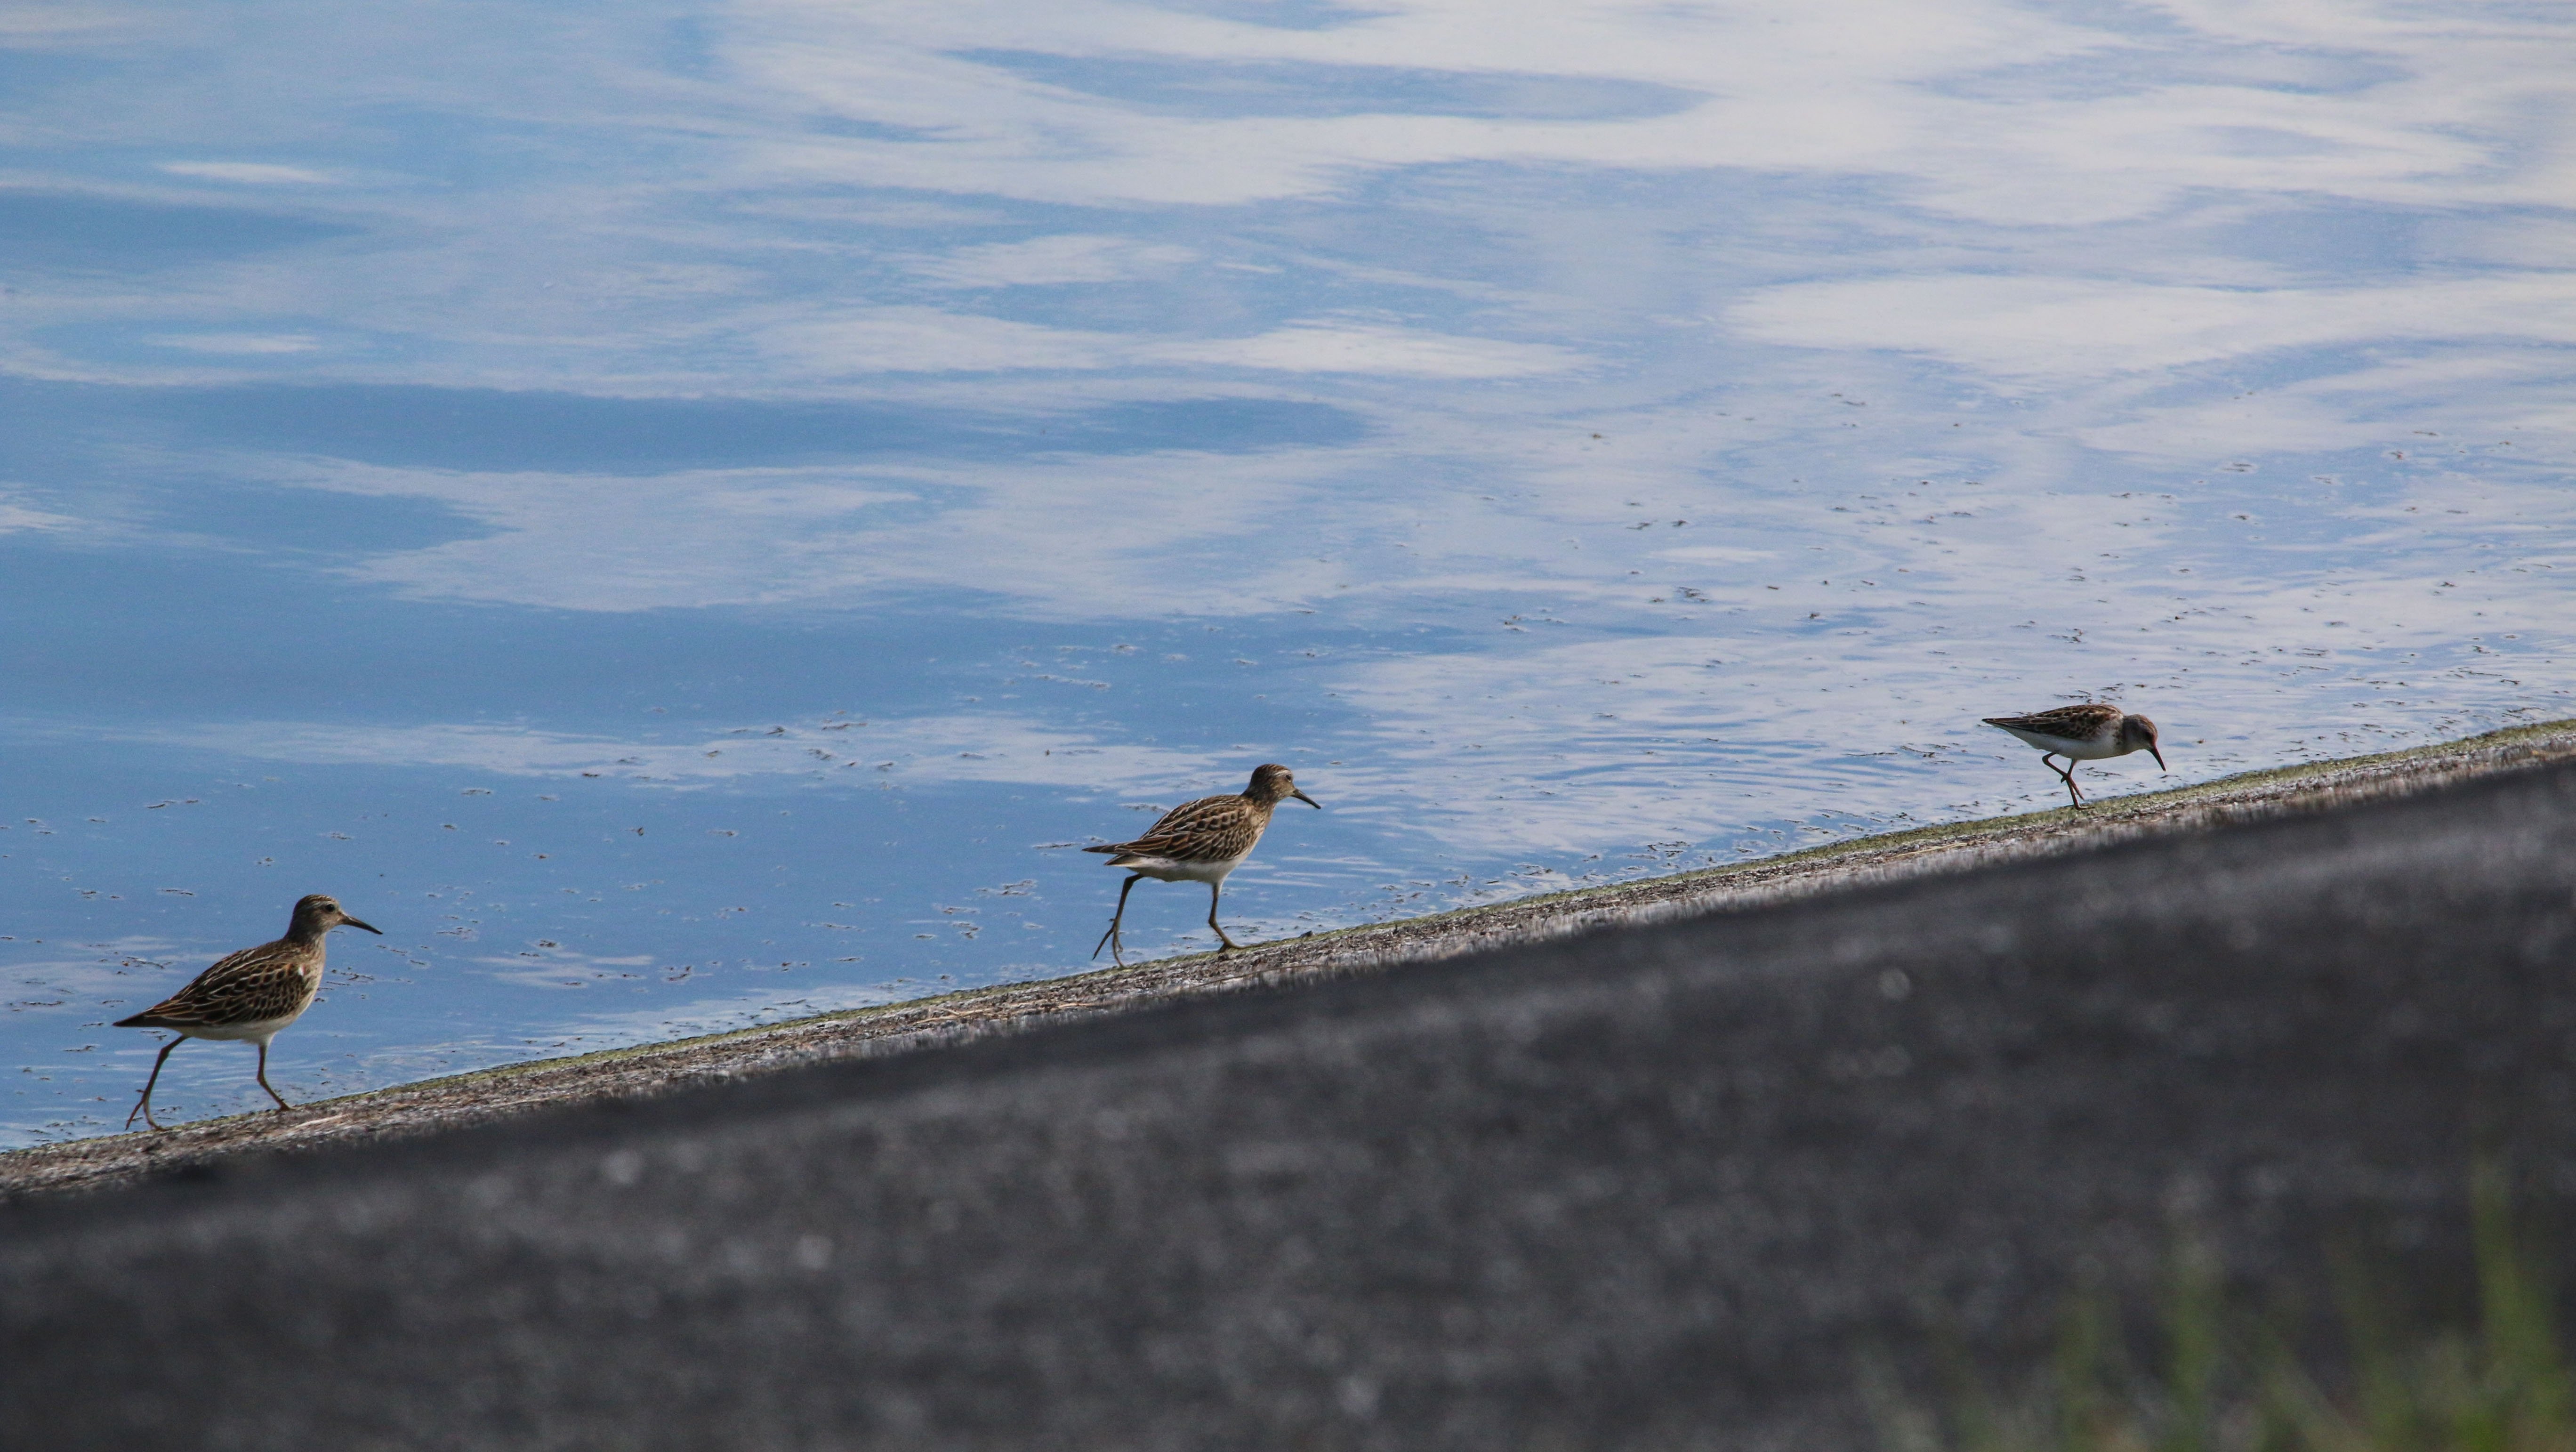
{"x": 928, "y": 1024}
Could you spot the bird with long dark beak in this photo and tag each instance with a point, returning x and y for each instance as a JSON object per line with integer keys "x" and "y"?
{"x": 1199, "y": 841}
{"x": 248, "y": 995}
{"x": 2090, "y": 732}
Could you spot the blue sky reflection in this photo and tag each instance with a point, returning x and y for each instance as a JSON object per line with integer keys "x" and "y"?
{"x": 687, "y": 514}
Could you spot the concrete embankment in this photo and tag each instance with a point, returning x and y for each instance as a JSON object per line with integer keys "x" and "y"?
{"x": 956, "y": 1018}
{"x": 1666, "y": 1186}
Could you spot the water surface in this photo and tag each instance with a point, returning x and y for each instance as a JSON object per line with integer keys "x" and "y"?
{"x": 686, "y": 515}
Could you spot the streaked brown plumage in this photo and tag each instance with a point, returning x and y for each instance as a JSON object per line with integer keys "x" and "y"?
{"x": 246, "y": 995}
{"x": 1199, "y": 841}
{"x": 2090, "y": 731}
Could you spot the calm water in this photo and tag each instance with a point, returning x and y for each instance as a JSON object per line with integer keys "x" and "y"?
{"x": 686, "y": 515}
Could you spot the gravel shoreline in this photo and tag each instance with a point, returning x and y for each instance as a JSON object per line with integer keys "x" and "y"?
{"x": 976, "y": 1013}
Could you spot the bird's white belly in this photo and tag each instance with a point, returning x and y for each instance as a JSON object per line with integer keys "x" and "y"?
{"x": 1170, "y": 871}
{"x": 258, "y": 1031}
{"x": 2079, "y": 750}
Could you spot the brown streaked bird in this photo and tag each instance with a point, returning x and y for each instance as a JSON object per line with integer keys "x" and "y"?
{"x": 248, "y": 995}
{"x": 1199, "y": 841}
{"x": 2089, "y": 732}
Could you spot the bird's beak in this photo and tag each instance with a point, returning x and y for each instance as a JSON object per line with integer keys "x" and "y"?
{"x": 354, "y": 923}
{"x": 1310, "y": 801}
{"x": 2159, "y": 756}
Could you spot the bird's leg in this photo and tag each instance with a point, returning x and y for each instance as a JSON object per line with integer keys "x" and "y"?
{"x": 263, "y": 1079}
{"x": 1214, "y": 890}
{"x": 1110, "y": 939}
{"x": 2073, "y": 797}
{"x": 143, "y": 1106}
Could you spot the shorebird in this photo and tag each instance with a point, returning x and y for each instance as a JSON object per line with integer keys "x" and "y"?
{"x": 2089, "y": 732}
{"x": 247, "y": 995}
{"x": 1199, "y": 841}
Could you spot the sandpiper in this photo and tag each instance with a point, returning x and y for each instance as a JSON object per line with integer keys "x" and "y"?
{"x": 1199, "y": 841}
{"x": 247, "y": 995}
{"x": 2089, "y": 732}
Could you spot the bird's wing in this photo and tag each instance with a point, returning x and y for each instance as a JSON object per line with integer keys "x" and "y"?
{"x": 2074, "y": 723}
{"x": 255, "y": 983}
{"x": 1206, "y": 829}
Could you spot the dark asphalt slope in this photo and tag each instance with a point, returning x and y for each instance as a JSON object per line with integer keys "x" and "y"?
{"x": 1643, "y": 1189}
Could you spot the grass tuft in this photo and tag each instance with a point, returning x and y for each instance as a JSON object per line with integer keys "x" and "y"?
{"x": 2223, "y": 1379}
